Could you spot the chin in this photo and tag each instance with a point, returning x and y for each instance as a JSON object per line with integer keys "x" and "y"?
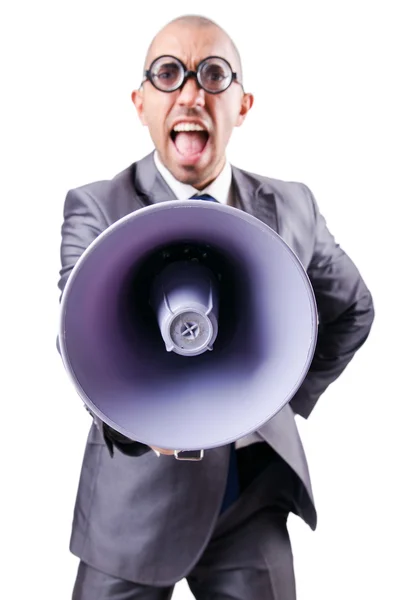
{"x": 191, "y": 175}
{"x": 200, "y": 173}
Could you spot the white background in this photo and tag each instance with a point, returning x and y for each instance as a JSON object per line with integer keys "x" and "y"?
{"x": 323, "y": 75}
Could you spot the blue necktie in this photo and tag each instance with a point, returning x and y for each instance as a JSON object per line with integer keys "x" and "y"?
{"x": 203, "y": 197}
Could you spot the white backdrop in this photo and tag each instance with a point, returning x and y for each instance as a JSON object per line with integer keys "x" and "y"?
{"x": 323, "y": 75}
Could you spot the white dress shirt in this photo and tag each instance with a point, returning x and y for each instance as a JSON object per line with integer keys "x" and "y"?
{"x": 220, "y": 188}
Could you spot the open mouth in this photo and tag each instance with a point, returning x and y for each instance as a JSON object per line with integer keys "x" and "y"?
{"x": 190, "y": 139}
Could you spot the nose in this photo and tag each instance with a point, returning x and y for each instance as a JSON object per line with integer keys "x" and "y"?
{"x": 191, "y": 94}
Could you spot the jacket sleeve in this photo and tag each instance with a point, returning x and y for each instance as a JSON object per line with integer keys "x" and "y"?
{"x": 83, "y": 221}
{"x": 345, "y": 309}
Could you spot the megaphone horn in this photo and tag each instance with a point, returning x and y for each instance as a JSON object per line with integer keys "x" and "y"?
{"x": 187, "y": 325}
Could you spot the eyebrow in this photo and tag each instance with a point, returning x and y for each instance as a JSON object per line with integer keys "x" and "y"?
{"x": 196, "y": 63}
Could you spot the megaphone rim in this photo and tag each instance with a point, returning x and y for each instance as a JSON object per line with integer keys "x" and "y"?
{"x": 183, "y": 205}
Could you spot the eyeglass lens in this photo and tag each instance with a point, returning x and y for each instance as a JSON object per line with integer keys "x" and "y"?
{"x": 168, "y": 74}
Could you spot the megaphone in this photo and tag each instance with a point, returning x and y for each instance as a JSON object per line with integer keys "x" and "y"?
{"x": 187, "y": 325}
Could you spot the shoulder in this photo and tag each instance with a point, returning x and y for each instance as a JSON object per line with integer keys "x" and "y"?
{"x": 109, "y": 199}
{"x": 101, "y": 188}
{"x": 289, "y": 195}
{"x": 273, "y": 185}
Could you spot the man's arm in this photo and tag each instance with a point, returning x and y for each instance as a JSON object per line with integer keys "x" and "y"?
{"x": 83, "y": 222}
{"x": 346, "y": 314}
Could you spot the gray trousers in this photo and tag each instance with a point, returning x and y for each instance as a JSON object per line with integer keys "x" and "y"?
{"x": 248, "y": 560}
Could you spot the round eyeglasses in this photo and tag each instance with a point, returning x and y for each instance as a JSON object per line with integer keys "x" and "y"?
{"x": 214, "y": 74}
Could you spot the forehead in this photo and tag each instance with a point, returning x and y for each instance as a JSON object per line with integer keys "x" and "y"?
{"x": 191, "y": 44}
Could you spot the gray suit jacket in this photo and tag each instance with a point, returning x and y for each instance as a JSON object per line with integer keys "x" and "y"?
{"x": 149, "y": 519}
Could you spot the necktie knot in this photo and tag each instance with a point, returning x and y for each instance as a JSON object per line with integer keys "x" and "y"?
{"x": 203, "y": 197}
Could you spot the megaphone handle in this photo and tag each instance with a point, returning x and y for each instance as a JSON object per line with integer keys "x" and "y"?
{"x": 193, "y": 455}
{"x": 97, "y": 422}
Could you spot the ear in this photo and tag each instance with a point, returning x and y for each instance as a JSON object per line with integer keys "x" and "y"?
{"x": 246, "y": 105}
{"x": 137, "y": 98}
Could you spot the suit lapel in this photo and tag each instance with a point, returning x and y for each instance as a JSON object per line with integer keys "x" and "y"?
{"x": 149, "y": 185}
{"x": 254, "y": 198}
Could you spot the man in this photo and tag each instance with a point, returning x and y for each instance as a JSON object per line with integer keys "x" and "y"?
{"x": 142, "y": 522}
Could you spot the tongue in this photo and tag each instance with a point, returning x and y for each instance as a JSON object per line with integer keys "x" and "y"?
{"x": 192, "y": 142}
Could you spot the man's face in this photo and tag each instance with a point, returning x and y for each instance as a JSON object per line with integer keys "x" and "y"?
{"x": 194, "y": 157}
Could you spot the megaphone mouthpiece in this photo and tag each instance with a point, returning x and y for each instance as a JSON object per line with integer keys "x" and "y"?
{"x": 185, "y": 299}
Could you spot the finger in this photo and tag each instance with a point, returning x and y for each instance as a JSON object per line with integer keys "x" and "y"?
{"x": 162, "y": 451}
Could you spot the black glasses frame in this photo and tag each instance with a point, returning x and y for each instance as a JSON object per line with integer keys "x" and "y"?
{"x": 188, "y": 74}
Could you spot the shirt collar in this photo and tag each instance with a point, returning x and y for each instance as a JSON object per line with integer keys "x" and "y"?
{"x": 218, "y": 189}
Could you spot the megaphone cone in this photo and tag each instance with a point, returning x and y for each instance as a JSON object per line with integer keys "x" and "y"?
{"x": 148, "y": 287}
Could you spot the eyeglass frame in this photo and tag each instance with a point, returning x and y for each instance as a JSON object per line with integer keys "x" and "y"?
{"x": 187, "y": 73}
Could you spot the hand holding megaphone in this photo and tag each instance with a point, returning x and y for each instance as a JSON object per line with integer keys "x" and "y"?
{"x": 159, "y": 451}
